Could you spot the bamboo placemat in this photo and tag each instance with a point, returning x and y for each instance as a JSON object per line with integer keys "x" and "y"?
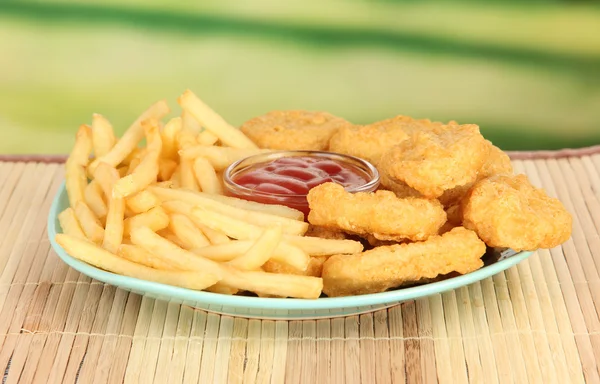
{"x": 537, "y": 322}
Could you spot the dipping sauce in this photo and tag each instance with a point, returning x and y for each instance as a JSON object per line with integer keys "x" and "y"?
{"x": 286, "y": 177}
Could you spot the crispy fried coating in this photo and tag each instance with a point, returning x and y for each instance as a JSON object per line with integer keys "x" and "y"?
{"x": 507, "y": 211}
{"x": 382, "y": 268}
{"x": 398, "y": 187}
{"x": 435, "y": 160}
{"x": 293, "y": 130}
{"x": 497, "y": 163}
{"x": 381, "y": 214}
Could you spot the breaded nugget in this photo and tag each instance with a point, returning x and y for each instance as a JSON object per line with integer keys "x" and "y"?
{"x": 438, "y": 159}
{"x": 507, "y": 211}
{"x": 371, "y": 141}
{"x": 293, "y": 130}
{"x": 381, "y": 214}
{"x": 314, "y": 268}
{"x": 382, "y": 268}
{"x": 399, "y": 188}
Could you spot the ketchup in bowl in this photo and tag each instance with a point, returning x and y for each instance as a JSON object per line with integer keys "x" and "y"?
{"x": 286, "y": 177}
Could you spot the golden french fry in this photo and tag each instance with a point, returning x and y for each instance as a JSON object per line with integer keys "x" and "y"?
{"x": 303, "y": 287}
{"x": 103, "y": 136}
{"x": 190, "y": 123}
{"x": 165, "y": 184}
{"x": 147, "y": 171}
{"x": 154, "y": 219}
{"x": 277, "y": 210}
{"x": 189, "y": 235}
{"x": 101, "y": 258}
{"x": 283, "y": 253}
{"x": 75, "y": 178}
{"x": 215, "y": 237}
{"x": 166, "y": 168}
{"x": 137, "y": 152}
{"x": 186, "y": 176}
{"x": 289, "y": 226}
{"x": 233, "y": 228}
{"x": 219, "y": 157}
{"x": 172, "y": 254}
{"x": 93, "y": 198}
{"x": 131, "y": 137}
{"x": 316, "y": 246}
{"x": 222, "y": 289}
{"x": 133, "y": 165}
{"x": 314, "y": 268}
{"x": 206, "y": 176}
{"x": 260, "y": 252}
{"x": 113, "y": 232}
{"x": 89, "y": 223}
{"x": 207, "y": 138}
{"x": 69, "y": 224}
{"x": 141, "y": 202}
{"x": 176, "y": 177}
{"x": 139, "y": 255}
{"x": 169, "y": 139}
{"x": 106, "y": 176}
{"x": 212, "y": 122}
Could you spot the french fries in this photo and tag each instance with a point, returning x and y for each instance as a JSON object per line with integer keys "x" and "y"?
{"x": 75, "y": 178}
{"x": 69, "y": 224}
{"x": 91, "y": 226}
{"x": 219, "y": 157}
{"x": 142, "y": 201}
{"x": 169, "y": 139}
{"x": 147, "y": 171}
{"x": 103, "y": 136}
{"x": 139, "y": 255}
{"x": 155, "y": 219}
{"x": 101, "y": 258}
{"x": 276, "y": 210}
{"x": 260, "y": 252}
{"x": 113, "y": 231}
{"x": 206, "y": 176}
{"x": 131, "y": 138}
{"x": 261, "y": 219}
{"x": 188, "y": 234}
{"x": 214, "y": 123}
{"x": 92, "y": 196}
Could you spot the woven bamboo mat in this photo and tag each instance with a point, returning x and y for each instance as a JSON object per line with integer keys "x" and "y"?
{"x": 537, "y": 322}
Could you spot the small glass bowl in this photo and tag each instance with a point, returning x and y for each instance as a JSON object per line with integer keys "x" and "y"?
{"x": 298, "y": 202}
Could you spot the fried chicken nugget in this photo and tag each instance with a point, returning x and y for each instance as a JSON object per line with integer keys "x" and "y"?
{"x": 382, "y": 268}
{"x": 507, "y": 211}
{"x": 293, "y": 130}
{"x": 381, "y": 214}
{"x": 435, "y": 160}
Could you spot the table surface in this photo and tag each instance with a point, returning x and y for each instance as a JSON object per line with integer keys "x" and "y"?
{"x": 537, "y": 322}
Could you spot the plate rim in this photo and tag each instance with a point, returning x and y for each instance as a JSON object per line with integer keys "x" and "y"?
{"x": 210, "y": 298}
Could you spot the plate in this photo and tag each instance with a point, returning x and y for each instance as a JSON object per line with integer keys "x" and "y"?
{"x": 270, "y": 308}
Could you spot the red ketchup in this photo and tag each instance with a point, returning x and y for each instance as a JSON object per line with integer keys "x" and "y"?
{"x": 287, "y": 180}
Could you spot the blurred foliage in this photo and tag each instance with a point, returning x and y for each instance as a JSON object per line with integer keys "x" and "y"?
{"x": 527, "y": 73}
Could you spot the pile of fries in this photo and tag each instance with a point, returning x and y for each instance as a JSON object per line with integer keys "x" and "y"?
{"x": 158, "y": 212}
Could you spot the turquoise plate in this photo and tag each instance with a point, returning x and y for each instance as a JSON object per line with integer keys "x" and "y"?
{"x": 267, "y": 308}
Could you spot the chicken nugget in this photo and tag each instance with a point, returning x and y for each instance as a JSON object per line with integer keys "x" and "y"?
{"x": 382, "y": 268}
{"x": 496, "y": 163}
{"x": 438, "y": 159}
{"x": 293, "y": 130}
{"x": 381, "y": 213}
{"x": 507, "y": 211}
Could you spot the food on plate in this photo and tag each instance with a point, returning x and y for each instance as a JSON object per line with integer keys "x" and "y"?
{"x": 285, "y": 177}
{"x": 297, "y": 130}
{"x": 202, "y": 205}
{"x": 507, "y": 211}
{"x": 386, "y": 267}
{"x": 380, "y": 213}
{"x": 435, "y": 160}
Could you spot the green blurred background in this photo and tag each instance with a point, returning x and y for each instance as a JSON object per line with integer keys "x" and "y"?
{"x": 528, "y": 72}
